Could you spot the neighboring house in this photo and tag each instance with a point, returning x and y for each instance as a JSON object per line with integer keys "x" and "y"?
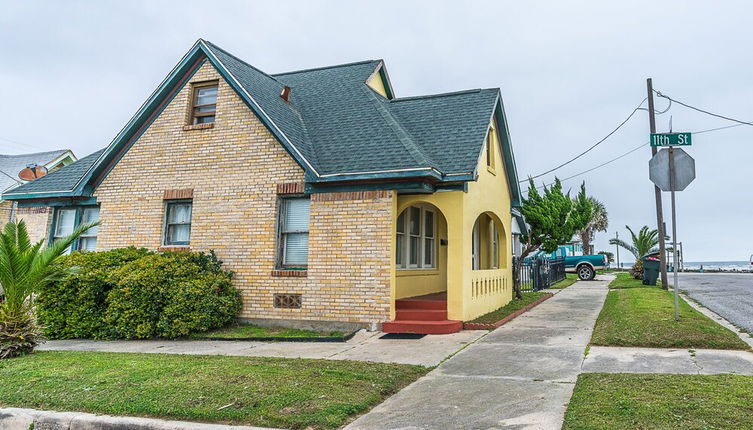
{"x": 331, "y": 199}
{"x": 10, "y": 166}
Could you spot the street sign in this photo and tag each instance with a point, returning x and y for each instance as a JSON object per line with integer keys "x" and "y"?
{"x": 670, "y": 139}
{"x": 659, "y": 170}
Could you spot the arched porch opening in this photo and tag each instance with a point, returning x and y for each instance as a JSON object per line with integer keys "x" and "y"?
{"x": 420, "y": 251}
{"x": 488, "y": 243}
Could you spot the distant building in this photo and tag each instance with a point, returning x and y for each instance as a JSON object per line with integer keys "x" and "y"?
{"x": 10, "y": 166}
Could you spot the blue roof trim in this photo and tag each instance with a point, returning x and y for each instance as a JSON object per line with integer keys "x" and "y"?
{"x": 509, "y": 157}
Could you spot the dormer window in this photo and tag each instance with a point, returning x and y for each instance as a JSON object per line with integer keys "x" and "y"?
{"x": 204, "y": 102}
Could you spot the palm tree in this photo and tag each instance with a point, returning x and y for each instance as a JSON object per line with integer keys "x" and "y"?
{"x": 599, "y": 222}
{"x": 24, "y": 268}
{"x": 643, "y": 243}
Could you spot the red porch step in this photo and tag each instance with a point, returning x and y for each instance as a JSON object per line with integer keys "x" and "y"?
{"x": 422, "y": 315}
{"x": 422, "y": 327}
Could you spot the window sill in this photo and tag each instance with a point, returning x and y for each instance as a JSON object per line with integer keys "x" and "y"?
{"x": 174, "y": 248}
{"x": 491, "y": 170}
{"x": 416, "y": 272}
{"x": 204, "y": 126}
{"x": 285, "y": 273}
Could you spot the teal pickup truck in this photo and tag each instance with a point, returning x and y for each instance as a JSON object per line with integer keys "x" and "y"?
{"x": 585, "y": 266}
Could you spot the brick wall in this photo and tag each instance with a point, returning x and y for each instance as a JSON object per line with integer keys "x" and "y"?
{"x": 37, "y": 219}
{"x": 235, "y": 170}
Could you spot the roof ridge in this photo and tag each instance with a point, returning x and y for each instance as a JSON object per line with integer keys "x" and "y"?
{"x": 313, "y": 69}
{"x": 242, "y": 61}
{"x": 448, "y": 94}
{"x": 405, "y": 138}
{"x": 28, "y": 154}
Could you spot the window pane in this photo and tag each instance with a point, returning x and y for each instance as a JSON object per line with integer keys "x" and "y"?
{"x": 429, "y": 253}
{"x": 296, "y": 248}
{"x": 205, "y": 109}
{"x": 66, "y": 221}
{"x": 414, "y": 250}
{"x": 429, "y": 224}
{"x": 206, "y": 95}
{"x": 178, "y": 233}
{"x": 88, "y": 243}
{"x": 90, "y": 215}
{"x": 203, "y": 119}
{"x": 179, "y": 213}
{"x": 399, "y": 247}
{"x": 415, "y": 221}
{"x": 296, "y": 215}
{"x": 401, "y": 223}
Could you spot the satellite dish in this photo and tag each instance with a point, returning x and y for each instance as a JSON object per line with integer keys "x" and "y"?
{"x": 31, "y": 172}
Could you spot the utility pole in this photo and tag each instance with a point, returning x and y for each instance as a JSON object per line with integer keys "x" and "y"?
{"x": 617, "y": 247}
{"x": 657, "y": 192}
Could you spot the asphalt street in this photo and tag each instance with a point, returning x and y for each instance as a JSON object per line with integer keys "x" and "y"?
{"x": 728, "y": 294}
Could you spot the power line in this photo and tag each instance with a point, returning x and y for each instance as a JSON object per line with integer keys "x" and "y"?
{"x": 599, "y": 166}
{"x": 658, "y": 93}
{"x": 637, "y": 108}
{"x": 709, "y": 130}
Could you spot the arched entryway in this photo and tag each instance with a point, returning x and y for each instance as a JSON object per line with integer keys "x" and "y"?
{"x": 421, "y": 243}
{"x": 490, "y": 275}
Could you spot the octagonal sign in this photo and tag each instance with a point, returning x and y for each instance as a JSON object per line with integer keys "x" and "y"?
{"x": 658, "y": 169}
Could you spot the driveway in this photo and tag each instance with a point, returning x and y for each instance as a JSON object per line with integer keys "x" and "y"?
{"x": 520, "y": 376}
{"x": 728, "y": 294}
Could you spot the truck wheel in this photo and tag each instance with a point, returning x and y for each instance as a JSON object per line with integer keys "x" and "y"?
{"x": 585, "y": 272}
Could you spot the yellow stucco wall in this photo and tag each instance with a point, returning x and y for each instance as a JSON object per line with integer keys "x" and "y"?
{"x": 470, "y": 293}
{"x": 377, "y": 84}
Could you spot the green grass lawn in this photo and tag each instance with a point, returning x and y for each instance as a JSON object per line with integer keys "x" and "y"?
{"x": 509, "y": 308}
{"x": 570, "y": 279}
{"x": 267, "y": 392}
{"x": 625, "y": 280}
{"x": 660, "y": 402}
{"x": 241, "y": 331}
{"x": 644, "y": 317}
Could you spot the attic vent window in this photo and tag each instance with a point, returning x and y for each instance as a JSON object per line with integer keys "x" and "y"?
{"x": 285, "y": 94}
{"x": 204, "y": 102}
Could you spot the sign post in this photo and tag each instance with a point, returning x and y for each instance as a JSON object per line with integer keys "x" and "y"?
{"x": 672, "y": 170}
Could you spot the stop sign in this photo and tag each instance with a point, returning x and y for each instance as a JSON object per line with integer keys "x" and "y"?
{"x": 658, "y": 169}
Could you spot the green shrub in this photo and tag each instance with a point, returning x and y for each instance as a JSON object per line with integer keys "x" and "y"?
{"x": 138, "y": 294}
{"x": 74, "y": 306}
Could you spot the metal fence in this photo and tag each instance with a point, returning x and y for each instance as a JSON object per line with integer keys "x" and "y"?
{"x": 540, "y": 272}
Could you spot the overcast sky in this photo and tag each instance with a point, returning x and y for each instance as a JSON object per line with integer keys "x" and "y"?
{"x": 73, "y": 73}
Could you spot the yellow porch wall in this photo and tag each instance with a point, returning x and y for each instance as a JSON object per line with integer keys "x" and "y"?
{"x": 490, "y": 193}
{"x": 377, "y": 84}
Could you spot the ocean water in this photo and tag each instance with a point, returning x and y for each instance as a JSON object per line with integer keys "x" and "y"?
{"x": 723, "y": 266}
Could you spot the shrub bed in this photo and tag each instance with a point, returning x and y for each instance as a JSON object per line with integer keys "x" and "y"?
{"x": 134, "y": 293}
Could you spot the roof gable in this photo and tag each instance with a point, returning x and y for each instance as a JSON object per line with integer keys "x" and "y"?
{"x": 333, "y": 124}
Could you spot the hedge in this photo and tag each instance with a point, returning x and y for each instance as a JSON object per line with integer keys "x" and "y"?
{"x": 134, "y": 293}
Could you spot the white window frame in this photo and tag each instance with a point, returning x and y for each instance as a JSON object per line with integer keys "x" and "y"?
{"x": 422, "y": 239}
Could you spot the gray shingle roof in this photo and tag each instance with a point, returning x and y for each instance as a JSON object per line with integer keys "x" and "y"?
{"x": 62, "y": 179}
{"x": 12, "y": 164}
{"x": 333, "y": 124}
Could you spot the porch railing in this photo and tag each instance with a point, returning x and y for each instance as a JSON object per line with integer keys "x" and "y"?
{"x": 540, "y": 273}
{"x": 488, "y": 282}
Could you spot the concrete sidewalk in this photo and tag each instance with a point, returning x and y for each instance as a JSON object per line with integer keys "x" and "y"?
{"x": 519, "y": 376}
{"x": 611, "y": 359}
{"x": 364, "y": 346}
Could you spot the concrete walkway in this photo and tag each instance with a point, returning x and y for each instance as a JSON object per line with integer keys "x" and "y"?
{"x": 364, "y": 346}
{"x": 519, "y": 376}
{"x": 683, "y": 361}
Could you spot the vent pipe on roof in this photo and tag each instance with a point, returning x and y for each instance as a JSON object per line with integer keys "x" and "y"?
{"x": 285, "y": 94}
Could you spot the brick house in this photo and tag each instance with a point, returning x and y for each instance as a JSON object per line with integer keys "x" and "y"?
{"x": 333, "y": 201}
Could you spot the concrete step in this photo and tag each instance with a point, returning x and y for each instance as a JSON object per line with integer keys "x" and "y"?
{"x": 421, "y": 304}
{"x": 421, "y": 314}
{"x": 422, "y": 327}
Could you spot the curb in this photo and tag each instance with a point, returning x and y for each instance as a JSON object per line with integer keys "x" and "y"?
{"x": 492, "y": 326}
{"x": 24, "y": 419}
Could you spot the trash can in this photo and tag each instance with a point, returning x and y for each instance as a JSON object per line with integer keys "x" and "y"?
{"x": 650, "y": 270}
